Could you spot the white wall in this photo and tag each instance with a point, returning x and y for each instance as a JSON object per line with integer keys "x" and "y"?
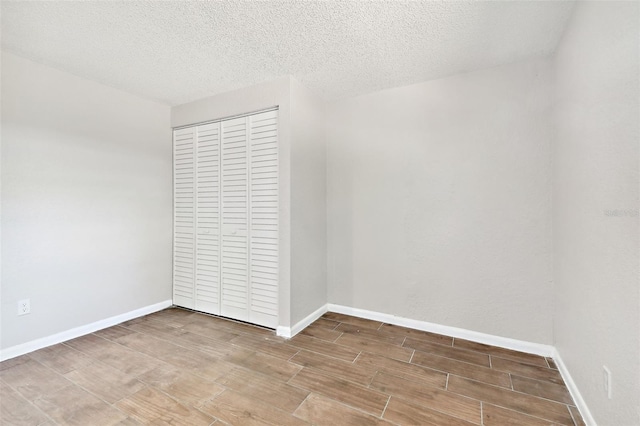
{"x": 308, "y": 203}
{"x": 439, "y": 202}
{"x": 86, "y": 201}
{"x": 255, "y": 98}
{"x": 595, "y": 211}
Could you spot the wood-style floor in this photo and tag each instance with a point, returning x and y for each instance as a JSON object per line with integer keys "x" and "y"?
{"x": 185, "y": 368}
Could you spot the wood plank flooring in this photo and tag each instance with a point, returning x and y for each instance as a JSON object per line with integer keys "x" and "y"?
{"x": 186, "y": 368}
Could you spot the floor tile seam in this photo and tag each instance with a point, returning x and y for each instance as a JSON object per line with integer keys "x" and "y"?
{"x": 447, "y": 370}
{"x": 450, "y": 347}
{"x": 103, "y": 364}
{"x": 188, "y": 405}
{"x": 488, "y": 354}
{"x": 519, "y": 362}
{"x": 426, "y": 367}
{"x": 328, "y": 356}
{"x": 261, "y": 375}
{"x": 510, "y": 390}
{"x": 131, "y": 349}
{"x": 511, "y": 352}
{"x": 42, "y": 365}
{"x": 202, "y": 403}
{"x": 573, "y": 418}
{"x": 255, "y": 351}
{"x": 428, "y": 339}
{"x": 346, "y": 404}
{"x": 74, "y": 383}
{"x": 436, "y": 407}
{"x": 375, "y": 339}
{"x": 293, "y": 412}
{"x": 371, "y": 339}
{"x": 493, "y": 368}
{"x": 59, "y": 344}
{"x": 334, "y": 376}
{"x": 448, "y": 373}
{"x": 527, "y": 376}
{"x": 293, "y": 356}
{"x": 109, "y": 404}
{"x": 525, "y": 414}
{"x": 29, "y": 402}
{"x": 385, "y": 407}
{"x": 453, "y": 359}
{"x": 358, "y": 409}
{"x": 351, "y": 324}
{"x": 413, "y": 379}
{"x": 351, "y": 382}
{"x": 542, "y": 381}
{"x": 320, "y": 353}
{"x": 379, "y": 354}
{"x": 175, "y": 342}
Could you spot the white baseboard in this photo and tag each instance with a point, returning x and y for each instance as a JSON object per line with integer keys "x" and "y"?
{"x": 43, "y": 342}
{"x": 573, "y": 390}
{"x": 289, "y": 332}
{"x": 489, "y": 339}
{"x": 460, "y": 333}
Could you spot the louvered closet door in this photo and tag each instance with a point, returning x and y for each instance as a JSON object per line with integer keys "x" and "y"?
{"x": 263, "y": 224}
{"x": 235, "y": 214}
{"x": 207, "y": 268}
{"x": 226, "y": 218}
{"x": 184, "y": 217}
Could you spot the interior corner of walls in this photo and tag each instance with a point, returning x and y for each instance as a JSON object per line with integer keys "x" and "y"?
{"x": 573, "y": 389}
{"x": 306, "y": 321}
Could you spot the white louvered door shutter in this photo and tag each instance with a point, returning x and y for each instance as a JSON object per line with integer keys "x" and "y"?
{"x": 226, "y": 218}
{"x": 234, "y": 247}
{"x": 184, "y": 217}
{"x": 263, "y": 223}
{"x": 207, "y": 268}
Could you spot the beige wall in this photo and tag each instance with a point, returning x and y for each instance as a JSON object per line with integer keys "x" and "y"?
{"x": 439, "y": 202}
{"x": 86, "y": 201}
{"x": 595, "y": 206}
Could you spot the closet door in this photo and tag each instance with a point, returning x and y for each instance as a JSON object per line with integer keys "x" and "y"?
{"x": 207, "y": 244}
{"x": 234, "y": 301}
{"x": 263, "y": 224}
{"x": 226, "y": 218}
{"x": 184, "y": 217}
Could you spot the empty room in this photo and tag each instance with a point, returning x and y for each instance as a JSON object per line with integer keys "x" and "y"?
{"x": 320, "y": 212}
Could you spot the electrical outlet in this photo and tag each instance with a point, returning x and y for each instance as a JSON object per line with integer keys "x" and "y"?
{"x": 24, "y": 307}
{"x": 607, "y": 382}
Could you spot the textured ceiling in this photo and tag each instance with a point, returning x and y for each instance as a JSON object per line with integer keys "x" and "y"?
{"x": 179, "y": 51}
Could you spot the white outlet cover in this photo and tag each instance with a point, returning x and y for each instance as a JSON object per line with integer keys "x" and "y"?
{"x": 24, "y": 306}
